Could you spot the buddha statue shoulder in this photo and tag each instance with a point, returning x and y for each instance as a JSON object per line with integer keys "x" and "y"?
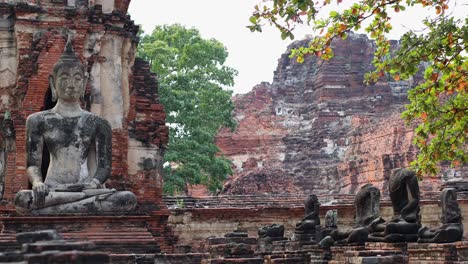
{"x": 80, "y": 147}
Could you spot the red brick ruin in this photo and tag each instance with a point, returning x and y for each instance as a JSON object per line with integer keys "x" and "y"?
{"x": 121, "y": 88}
{"x": 318, "y": 130}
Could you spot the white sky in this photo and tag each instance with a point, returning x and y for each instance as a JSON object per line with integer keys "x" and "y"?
{"x": 254, "y": 55}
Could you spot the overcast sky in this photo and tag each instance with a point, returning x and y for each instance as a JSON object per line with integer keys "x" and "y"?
{"x": 254, "y": 55}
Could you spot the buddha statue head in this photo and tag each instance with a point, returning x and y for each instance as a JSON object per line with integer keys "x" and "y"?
{"x": 69, "y": 77}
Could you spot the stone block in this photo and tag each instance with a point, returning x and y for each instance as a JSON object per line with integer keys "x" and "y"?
{"x": 42, "y": 246}
{"x": 72, "y": 257}
{"x": 35, "y": 236}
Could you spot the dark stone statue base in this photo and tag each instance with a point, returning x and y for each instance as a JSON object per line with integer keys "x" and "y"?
{"x": 311, "y": 236}
{"x": 266, "y": 244}
{"x": 306, "y": 238}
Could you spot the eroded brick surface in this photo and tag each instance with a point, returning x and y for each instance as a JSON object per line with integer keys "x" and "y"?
{"x": 120, "y": 88}
{"x": 318, "y": 129}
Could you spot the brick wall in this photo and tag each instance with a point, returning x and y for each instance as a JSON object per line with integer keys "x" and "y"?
{"x": 40, "y": 41}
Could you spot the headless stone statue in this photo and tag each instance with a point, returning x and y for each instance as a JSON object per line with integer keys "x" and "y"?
{"x": 271, "y": 231}
{"x": 404, "y": 194}
{"x": 452, "y": 228}
{"x": 80, "y": 146}
{"x": 306, "y": 229}
{"x": 367, "y": 204}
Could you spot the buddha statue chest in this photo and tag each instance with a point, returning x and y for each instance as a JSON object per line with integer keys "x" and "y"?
{"x": 63, "y": 132}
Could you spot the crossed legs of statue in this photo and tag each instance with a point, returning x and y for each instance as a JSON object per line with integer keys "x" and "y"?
{"x": 447, "y": 233}
{"x": 396, "y": 230}
{"x": 86, "y": 201}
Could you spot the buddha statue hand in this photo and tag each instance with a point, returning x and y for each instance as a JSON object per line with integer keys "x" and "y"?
{"x": 92, "y": 183}
{"x": 87, "y": 184}
{"x": 40, "y": 191}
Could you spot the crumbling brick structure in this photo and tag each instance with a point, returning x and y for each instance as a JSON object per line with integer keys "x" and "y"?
{"x": 120, "y": 88}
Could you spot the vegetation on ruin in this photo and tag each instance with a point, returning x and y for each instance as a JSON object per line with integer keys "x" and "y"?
{"x": 439, "y": 105}
{"x": 191, "y": 75}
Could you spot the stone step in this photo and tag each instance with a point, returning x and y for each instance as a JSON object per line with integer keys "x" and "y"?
{"x": 129, "y": 248}
{"x": 293, "y": 260}
{"x": 436, "y": 262}
{"x": 237, "y": 261}
{"x": 58, "y": 246}
{"x": 122, "y": 236}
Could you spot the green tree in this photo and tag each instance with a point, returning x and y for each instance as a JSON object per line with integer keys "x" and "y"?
{"x": 191, "y": 75}
{"x": 438, "y": 106}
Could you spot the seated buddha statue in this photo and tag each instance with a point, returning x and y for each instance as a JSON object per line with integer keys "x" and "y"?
{"x": 452, "y": 228}
{"x": 80, "y": 147}
{"x": 367, "y": 205}
{"x": 310, "y": 224}
{"x": 403, "y": 227}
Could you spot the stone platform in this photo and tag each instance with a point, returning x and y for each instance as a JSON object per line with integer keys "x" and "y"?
{"x": 371, "y": 253}
{"x": 56, "y": 252}
{"x": 141, "y": 234}
{"x": 402, "y": 253}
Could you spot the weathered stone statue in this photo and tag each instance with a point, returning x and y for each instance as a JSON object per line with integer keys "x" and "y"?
{"x": 403, "y": 227}
{"x": 367, "y": 204}
{"x": 310, "y": 224}
{"x": 7, "y": 138}
{"x": 331, "y": 222}
{"x": 452, "y": 228}
{"x": 269, "y": 234}
{"x": 331, "y": 219}
{"x": 80, "y": 146}
{"x": 271, "y": 231}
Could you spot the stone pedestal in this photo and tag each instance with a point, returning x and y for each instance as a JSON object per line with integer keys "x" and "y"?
{"x": 235, "y": 247}
{"x": 113, "y": 234}
{"x": 310, "y": 237}
{"x": 232, "y": 247}
{"x": 371, "y": 253}
{"x": 308, "y": 254}
{"x": 268, "y": 244}
{"x": 402, "y": 253}
{"x": 338, "y": 253}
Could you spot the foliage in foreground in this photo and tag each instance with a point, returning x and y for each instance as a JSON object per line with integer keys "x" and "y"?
{"x": 439, "y": 105}
{"x": 191, "y": 74}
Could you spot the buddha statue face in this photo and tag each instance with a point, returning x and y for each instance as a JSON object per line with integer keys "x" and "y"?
{"x": 69, "y": 83}
{"x": 68, "y": 78}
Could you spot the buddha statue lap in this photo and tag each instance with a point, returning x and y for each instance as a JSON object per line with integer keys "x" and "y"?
{"x": 404, "y": 194}
{"x": 80, "y": 146}
{"x": 452, "y": 228}
{"x": 367, "y": 204}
